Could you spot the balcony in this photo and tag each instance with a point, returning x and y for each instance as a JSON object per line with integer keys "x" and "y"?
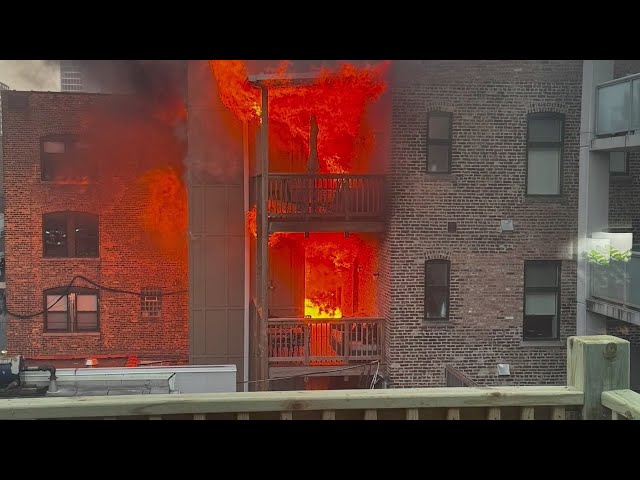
{"x": 615, "y": 288}
{"x": 325, "y": 202}
{"x": 618, "y": 114}
{"x": 309, "y": 342}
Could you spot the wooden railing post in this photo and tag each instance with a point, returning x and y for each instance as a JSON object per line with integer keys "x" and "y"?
{"x": 596, "y": 364}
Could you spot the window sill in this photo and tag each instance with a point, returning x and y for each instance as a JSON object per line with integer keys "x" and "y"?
{"x": 439, "y": 177}
{"x": 545, "y": 199}
{"x": 71, "y": 334}
{"x": 542, "y": 343}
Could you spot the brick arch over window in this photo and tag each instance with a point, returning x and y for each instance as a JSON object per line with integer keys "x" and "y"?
{"x": 437, "y": 255}
{"x": 70, "y": 234}
{"x": 548, "y": 108}
{"x": 440, "y": 107}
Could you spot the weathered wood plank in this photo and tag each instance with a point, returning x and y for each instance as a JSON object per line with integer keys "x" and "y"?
{"x": 329, "y": 415}
{"x": 623, "y": 402}
{"x": 371, "y": 414}
{"x": 413, "y": 414}
{"x": 245, "y": 402}
{"x": 453, "y": 414}
{"x": 493, "y": 414}
{"x": 596, "y": 364}
{"x": 286, "y": 415}
{"x": 242, "y": 416}
{"x": 527, "y": 413}
{"x": 558, "y": 413}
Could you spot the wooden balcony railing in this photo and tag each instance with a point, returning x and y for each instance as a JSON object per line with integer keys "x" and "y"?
{"x": 334, "y": 196}
{"x": 340, "y": 341}
{"x": 597, "y": 388}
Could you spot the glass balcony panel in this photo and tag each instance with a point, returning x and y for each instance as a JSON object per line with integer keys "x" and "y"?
{"x": 635, "y": 107}
{"x": 613, "y": 108}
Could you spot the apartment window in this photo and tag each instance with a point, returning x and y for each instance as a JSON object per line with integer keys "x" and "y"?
{"x": 436, "y": 290}
{"x": 75, "y": 311}
{"x": 439, "y": 142}
{"x": 151, "y": 302}
{"x": 70, "y": 234}
{"x": 64, "y": 160}
{"x": 618, "y": 163}
{"x": 541, "y": 300}
{"x": 544, "y": 153}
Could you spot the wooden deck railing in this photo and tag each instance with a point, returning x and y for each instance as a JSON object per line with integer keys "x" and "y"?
{"x": 597, "y": 384}
{"x": 340, "y": 341}
{"x": 334, "y": 196}
{"x": 624, "y": 404}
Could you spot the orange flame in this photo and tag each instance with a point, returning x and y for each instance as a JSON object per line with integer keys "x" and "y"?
{"x": 338, "y": 99}
{"x": 165, "y": 212}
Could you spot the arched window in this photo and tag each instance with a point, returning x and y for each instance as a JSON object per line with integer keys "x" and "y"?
{"x": 75, "y": 311}
{"x": 70, "y": 234}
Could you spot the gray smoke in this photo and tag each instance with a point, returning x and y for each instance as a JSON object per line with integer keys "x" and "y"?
{"x": 43, "y": 75}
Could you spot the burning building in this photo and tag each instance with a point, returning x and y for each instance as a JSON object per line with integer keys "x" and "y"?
{"x": 334, "y": 223}
{"x": 96, "y": 225}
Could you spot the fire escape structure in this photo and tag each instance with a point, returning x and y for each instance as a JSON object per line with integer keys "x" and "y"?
{"x": 307, "y": 202}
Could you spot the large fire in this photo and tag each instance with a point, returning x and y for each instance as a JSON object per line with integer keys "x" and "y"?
{"x": 338, "y": 270}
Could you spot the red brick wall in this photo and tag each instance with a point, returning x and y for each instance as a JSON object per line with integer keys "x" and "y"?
{"x": 489, "y": 101}
{"x": 129, "y": 258}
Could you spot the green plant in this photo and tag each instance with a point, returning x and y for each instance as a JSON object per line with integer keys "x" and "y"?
{"x": 604, "y": 256}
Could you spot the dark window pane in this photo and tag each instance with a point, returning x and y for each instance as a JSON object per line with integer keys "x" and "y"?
{"x": 439, "y": 127}
{"x": 57, "y": 321}
{"x": 65, "y": 160}
{"x": 437, "y": 274}
{"x": 438, "y": 159}
{"x": 538, "y": 327}
{"x": 87, "y": 321}
{"x": 618, "y": 162}
{"x": 545, "y": 130}
{"x": 540, "y": 275}
{"x": 86, "y": 230}
{"x": 437, "y": 302}
{"x": 55, "y": 235}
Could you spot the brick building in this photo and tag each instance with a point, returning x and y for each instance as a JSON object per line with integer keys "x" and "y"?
{"x": 79, "y": 203}
{"x": 471, "y": 213}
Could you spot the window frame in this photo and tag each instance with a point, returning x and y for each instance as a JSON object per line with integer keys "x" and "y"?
{"x": 439, "y": 141}
{"x": 530, "y": 144}
{"x": 146, "y": 310}
{"x": 71, "y": 221}
{"x": 557, "y": 290}
{"x": 427, "y": 287}
{"x": 626, "y": 166}
{"x": 71, "y": 142}
{"x": 72, "y": 316}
